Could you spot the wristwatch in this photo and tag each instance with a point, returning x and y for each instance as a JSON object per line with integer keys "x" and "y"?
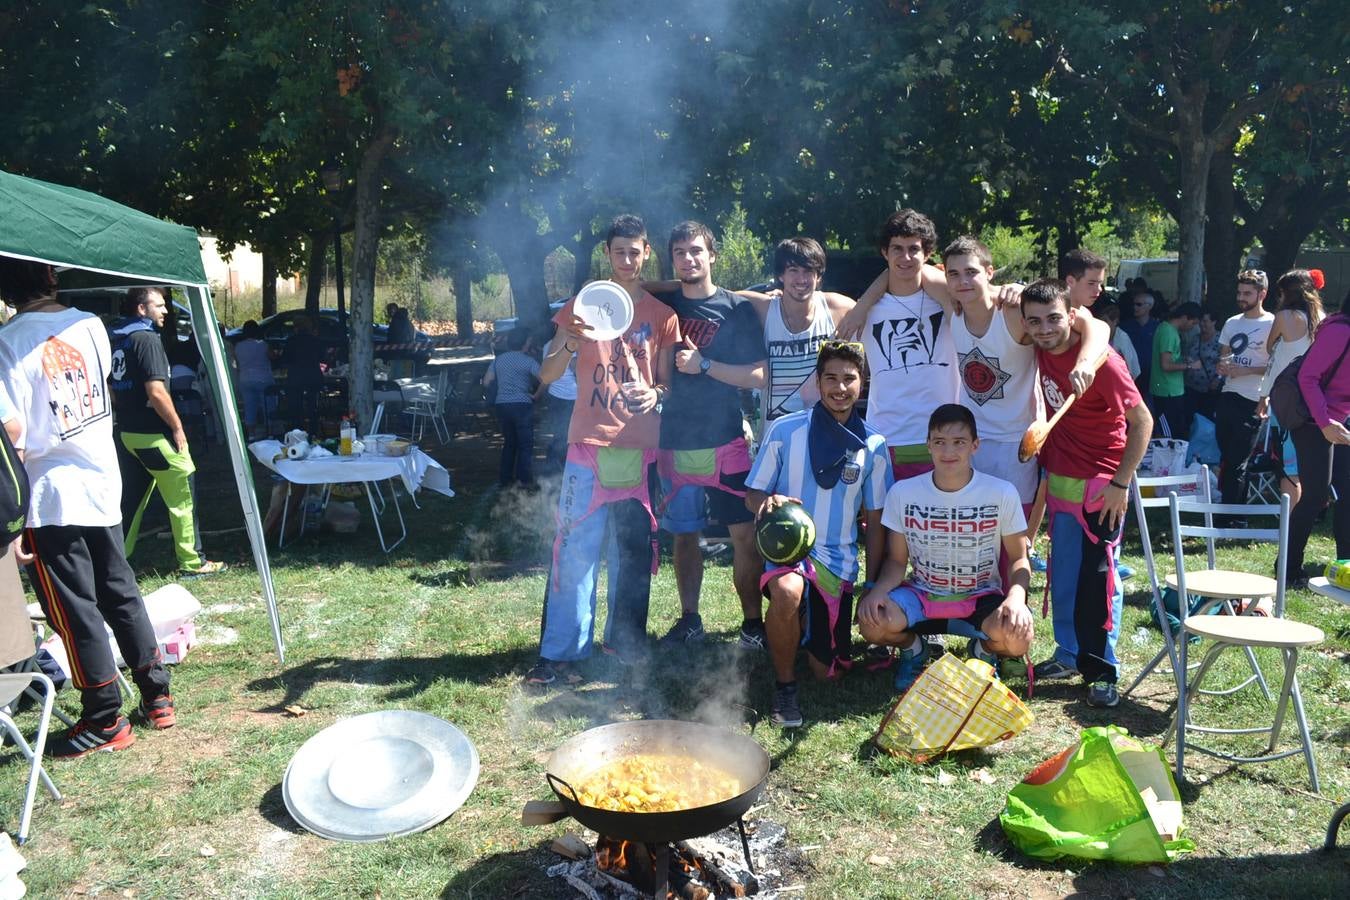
{"x": 704, "y": 365}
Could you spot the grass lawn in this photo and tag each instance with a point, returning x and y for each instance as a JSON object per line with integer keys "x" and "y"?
{"x": 448, "y": 623}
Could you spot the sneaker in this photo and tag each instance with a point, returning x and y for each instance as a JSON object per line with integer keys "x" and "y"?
{"x": 909, "y": 665}
{"x": 1102, "y": 694}
{"x": 1054, "y": 670}
{"x": 82, "y": 739}
{"x": 1038, "y": 563}
{"x": 877, "y": 657}
{"x": 1124, "y": 572}
{"x": 207, "y": 567}
{"x": 158, "y": 712}
{"x": 687, "y": 630}
{"x": 542, "y": 673}
{"x": 787, "y": 712}
{"x": 753, "y": 635}
{"x": 975, "y": 651}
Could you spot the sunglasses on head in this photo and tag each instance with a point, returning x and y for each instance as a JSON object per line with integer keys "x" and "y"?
{"x": 841, "y": 345}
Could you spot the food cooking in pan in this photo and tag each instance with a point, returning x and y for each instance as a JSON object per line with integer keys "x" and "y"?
{"x": 656, "y": 783}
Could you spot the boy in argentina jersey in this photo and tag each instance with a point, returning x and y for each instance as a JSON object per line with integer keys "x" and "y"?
{"x": 834, "y": 464}
{"x": 950, "y": 525}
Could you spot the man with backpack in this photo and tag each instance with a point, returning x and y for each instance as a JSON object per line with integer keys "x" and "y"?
{"x": 54, "y": 366}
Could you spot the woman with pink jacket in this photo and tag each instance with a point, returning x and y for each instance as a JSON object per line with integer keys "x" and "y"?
{"x": 1323, "y": 444}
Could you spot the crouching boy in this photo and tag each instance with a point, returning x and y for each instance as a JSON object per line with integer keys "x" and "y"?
{"x": 949, "y": 525}
{"x": 829, "y": 460}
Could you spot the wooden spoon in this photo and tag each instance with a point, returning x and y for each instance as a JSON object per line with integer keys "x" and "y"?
{"x": 1037, "y": 432}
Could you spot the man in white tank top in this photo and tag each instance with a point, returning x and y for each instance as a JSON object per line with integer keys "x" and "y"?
{"x": 996, "y": 364}
{"x": 908, "y": 336}
{"x": 796, "y": 323}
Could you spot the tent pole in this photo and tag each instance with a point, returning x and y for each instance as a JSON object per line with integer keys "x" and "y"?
{"x": 212, "y": 347}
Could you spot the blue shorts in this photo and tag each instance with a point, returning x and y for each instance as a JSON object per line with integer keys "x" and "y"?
{"x": 693, "y": 507}
{"x": 911, "y": 604}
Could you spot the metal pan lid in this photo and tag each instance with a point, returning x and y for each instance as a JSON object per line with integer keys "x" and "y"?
{"x": 380, "y": 775}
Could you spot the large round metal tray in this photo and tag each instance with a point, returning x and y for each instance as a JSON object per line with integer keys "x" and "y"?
{"x": 380, "y": 775}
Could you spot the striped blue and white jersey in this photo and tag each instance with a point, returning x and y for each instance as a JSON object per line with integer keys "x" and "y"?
{"x": 783, "y": 466}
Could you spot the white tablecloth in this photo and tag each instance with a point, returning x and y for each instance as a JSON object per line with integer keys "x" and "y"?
{"x": 416, "y": 468}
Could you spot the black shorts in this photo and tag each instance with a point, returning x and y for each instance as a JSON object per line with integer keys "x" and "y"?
{"x": 818, "y": 638}
{"x": 984, "y": 607}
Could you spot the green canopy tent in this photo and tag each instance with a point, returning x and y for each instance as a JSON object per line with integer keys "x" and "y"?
{"x": 113, "y": 244}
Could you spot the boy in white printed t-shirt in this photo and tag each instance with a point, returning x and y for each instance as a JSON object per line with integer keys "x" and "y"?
{"x": 950, "y": 525}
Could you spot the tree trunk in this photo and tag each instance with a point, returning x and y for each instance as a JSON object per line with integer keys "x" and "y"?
{"x": 1223, "y": 251}
{"x": 318, "y": 256}
{"x": 1068, "y": 237}
{"x": 581, "y": 252}
{"x": 1195, "y": 158}
{"x": 269, "y": 284}
{"x": 1279, "y": 248}
{"x": 523, "y": 258}
{"x": 462, "y": 284}
{"x": 1282, "y": 236}
{"x": 365, "y": 246}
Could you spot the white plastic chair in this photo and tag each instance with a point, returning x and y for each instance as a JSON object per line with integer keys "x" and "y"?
{"x": 424, "y": 399}
{"x": 1244, "y": 631}
{"x": 1221, "y": 587}
{"x": 12, "y": 686}
{"x": 1161, "y": 486}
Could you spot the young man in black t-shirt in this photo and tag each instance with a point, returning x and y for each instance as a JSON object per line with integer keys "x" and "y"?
{"x": 705, "y": 457}
{"x": 152, "y": 449}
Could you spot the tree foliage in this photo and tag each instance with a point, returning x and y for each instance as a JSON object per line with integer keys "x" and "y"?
{"x": 505, "y": 131}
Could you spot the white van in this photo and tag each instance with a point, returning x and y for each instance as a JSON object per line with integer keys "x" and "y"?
{"x": 1159, "y": 272}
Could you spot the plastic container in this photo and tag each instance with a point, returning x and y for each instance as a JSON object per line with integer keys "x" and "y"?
{"x": 346, "y": 434}
{"x": 1338, "y": 573}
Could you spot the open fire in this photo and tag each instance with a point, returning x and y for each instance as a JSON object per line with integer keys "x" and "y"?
{"x": 706, "y": 868}
{"x": 690, "y": 874}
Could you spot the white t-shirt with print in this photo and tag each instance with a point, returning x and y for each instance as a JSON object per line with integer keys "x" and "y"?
{"x": 954, "y": 537}
{"x": 1248, "y": 339}
{"x": 54, "y": 369}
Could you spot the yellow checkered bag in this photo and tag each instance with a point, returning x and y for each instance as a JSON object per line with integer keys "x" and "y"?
{"x": 953, "y": 705}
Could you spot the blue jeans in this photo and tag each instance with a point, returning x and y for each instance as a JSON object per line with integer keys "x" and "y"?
{"x": 517, "y": 423}
{"x": 570, "y": 597}
{"x": 1080, "y": 571}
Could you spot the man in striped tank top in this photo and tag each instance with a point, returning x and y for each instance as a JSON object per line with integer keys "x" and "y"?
{"x": 796, "y": 324}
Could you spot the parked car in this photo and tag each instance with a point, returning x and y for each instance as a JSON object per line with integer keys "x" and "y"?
{"x": 502, "y": 326}
{"x": 277, "y": 330}
{"x": 106, "y": 303}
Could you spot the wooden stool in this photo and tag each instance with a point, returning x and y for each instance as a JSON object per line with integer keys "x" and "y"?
{"x": 1222, "y": 586}
{"x": 1246, "y": 632}
{"x": 1225, "y": 584}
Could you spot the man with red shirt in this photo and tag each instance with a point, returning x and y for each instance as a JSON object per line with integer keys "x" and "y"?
{"x": 1090, "y": 458}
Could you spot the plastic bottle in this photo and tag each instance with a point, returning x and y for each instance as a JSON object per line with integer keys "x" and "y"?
{"x": 1338, "y": 573}
{"x": 346, "y": 433}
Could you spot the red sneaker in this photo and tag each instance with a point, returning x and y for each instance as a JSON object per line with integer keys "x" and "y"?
{"x": 159, "y": 712}
{"x": 82, "y": 739}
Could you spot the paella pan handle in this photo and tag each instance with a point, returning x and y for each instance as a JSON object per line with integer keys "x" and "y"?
{"x": 554, "y": 781}
{"x": 753, "y": 718}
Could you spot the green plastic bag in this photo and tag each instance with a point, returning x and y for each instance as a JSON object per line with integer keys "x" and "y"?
{"x": 1106, "y": 797}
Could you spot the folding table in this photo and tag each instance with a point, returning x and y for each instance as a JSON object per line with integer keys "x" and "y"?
{"x": 415, "y": 470}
